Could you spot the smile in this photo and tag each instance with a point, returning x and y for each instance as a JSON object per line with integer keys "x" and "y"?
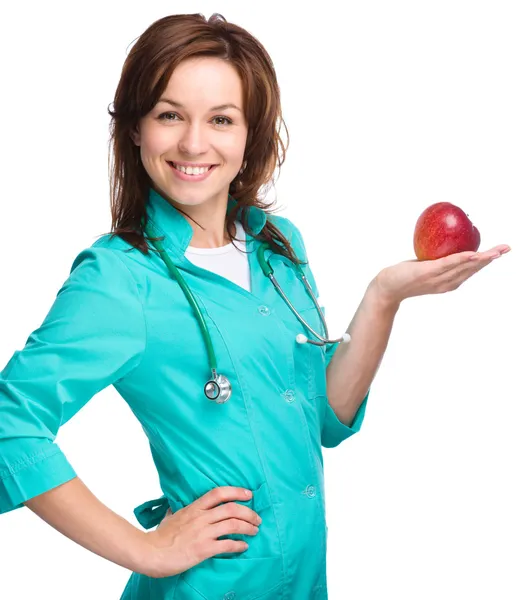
{"x": 192, "y": 173}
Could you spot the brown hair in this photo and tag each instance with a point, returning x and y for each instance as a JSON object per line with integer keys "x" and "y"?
{"x": 145, "y": 75}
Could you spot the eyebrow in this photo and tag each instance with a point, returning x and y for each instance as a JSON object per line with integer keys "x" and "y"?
{"x": 219, "y": 107}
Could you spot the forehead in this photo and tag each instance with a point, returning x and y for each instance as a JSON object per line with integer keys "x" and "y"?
{"x": 205, "y": 81}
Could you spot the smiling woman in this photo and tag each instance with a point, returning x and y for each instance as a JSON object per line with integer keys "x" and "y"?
{"x": 195, "y": 141}
{"x": 208, "y": 99}
{"x": 214, "y": 142}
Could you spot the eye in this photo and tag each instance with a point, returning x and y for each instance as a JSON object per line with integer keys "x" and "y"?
{"x": 226, "y": 119}
{"x": 163, "y": 116}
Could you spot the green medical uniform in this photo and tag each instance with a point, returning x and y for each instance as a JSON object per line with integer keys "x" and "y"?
{"x": 121, "y": 319}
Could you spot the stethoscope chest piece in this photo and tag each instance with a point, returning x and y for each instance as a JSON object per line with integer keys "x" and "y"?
{"x": 218, "y": 389}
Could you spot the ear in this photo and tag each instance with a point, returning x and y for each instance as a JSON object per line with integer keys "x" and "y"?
{"x": 135, "y": 136}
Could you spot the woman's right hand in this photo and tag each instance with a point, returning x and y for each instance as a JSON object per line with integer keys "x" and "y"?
{"x": 190, "y": 535}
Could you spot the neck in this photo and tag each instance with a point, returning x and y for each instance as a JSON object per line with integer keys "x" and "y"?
{"x": 211, "y": 237}
{"x": 208, "y": 222}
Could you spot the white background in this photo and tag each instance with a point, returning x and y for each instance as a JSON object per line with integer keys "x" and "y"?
{"x": 391, "y": 106}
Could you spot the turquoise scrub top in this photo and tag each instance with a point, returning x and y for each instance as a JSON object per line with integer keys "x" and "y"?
{"x": 121, "y": 319}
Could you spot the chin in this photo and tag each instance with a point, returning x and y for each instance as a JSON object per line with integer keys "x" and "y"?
{"x": 184, "y": 198}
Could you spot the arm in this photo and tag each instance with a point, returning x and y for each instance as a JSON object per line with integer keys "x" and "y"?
{"x": 354, "y": 365}
{"x": 93, "y": 335}
{"x": 73, "y": 510}
{"x": 181, "y": 540}
{"x": 350, "y": 368}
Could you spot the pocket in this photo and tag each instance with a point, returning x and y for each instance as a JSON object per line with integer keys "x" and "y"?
{"x": 238, "y": 579}
{"x": 241, "y": 575}
{"x": 316, "y": 371}
{"x": 316, "y": 355}
{"x": 142, "y": 587}
{"x": 293, "y": 287}
{"x": 265, "y": 543}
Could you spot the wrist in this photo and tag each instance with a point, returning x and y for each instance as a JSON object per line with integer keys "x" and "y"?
{"x": 158, "y": 557}
{"x": 146, "y": 555}
{"x": 383, "y": 300}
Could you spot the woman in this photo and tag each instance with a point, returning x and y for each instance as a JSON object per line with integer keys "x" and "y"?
{"x": 233, "y": 394}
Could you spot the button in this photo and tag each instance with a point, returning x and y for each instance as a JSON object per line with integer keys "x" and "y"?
{"x": 310, "y": 491}
{"x": 264, "y": 310}
{"x": 230, "y": 596}
{"x": 289, "y": 395}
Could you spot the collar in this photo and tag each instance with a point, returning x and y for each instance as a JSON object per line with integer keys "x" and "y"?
{"x": 176, "y": 228}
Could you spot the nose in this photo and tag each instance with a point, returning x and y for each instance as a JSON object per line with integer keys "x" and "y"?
{"x": 193, "y": 140}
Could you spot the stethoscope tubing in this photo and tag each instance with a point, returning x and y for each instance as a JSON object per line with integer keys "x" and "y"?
{"x": 190, "y": 297}
{"x": 218, "y": 388}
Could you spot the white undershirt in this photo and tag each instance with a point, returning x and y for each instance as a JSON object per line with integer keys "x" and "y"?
{"x": 226, "y": 261}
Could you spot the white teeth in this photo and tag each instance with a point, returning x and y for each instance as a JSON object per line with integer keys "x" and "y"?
{"x": 191, "y": 170}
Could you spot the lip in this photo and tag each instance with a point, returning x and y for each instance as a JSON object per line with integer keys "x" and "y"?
{"x": 192, "y": 178}
{"x": 189, "y": 164}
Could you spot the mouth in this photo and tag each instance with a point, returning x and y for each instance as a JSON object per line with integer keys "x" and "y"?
{"x": 192, "y": 171}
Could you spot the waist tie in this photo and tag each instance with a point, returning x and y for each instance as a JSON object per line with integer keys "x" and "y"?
{"x": 151, "y": 513}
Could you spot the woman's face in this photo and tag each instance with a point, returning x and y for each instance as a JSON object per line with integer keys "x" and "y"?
{"x": 198, "y": 121}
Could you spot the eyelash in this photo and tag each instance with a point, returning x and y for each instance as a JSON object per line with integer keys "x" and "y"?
{"x": 163, "y": 115}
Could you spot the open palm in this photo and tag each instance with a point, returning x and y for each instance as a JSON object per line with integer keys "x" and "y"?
{"x": 416, "y": 278}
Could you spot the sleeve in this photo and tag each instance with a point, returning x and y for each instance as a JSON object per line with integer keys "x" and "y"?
{"x": 93, "y": 335}
{"x": 333, "y": 430}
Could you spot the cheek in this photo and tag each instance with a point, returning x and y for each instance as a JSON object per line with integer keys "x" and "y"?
{"x": 154, "y": 142}
{"x": 234, "y": 150}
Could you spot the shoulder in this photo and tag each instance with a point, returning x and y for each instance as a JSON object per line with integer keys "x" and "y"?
{"x": 108, "y": 262}
{"x": 291, "y": 232}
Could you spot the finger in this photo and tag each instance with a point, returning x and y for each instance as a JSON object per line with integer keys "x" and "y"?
{"x": 232, "y": 526}
{"x": 446, "y": 263}
{"x": 458, "y": 276}
{"x": 493, "y": 253}
{"x": 228, "y": 546}
{"x": 452, "y": 261}
{"x": 222, "y": 494}
{"x": 456, "y": 268}
{"x": 233, "y": 510}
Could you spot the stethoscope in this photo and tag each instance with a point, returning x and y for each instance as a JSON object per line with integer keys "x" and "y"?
{"x": 218, "y": 388}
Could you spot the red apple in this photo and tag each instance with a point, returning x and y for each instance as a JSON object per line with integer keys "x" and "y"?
{"x": 443, "y": 229}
